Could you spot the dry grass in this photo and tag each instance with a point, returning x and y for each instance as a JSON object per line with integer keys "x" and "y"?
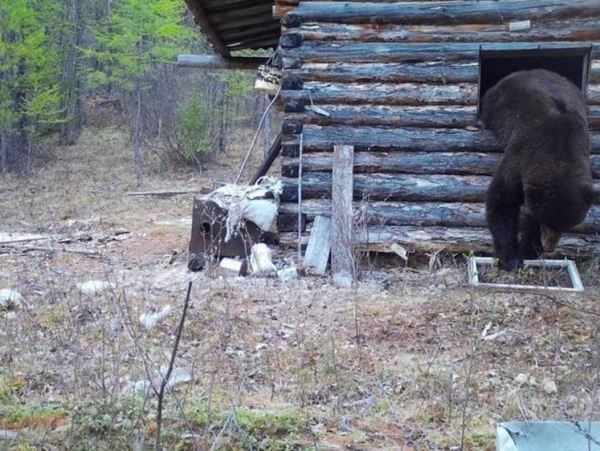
{"x": 276, "y": 365}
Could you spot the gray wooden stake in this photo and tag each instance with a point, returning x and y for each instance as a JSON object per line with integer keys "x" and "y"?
{"x": 342, "y": 256}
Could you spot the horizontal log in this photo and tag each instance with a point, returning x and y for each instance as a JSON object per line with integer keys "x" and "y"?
{"x": 462, "y": 12}
{"x": 573, "y": 30}
{"x": 384, "y": 93}
{"x": 427, "y": 72}
{"x": 442, "y": 188}
{"x": 455, "y": 163}
{"x": 444, "y": 214}
{"x": 395, "y": 116}
{"x": 219, "y": 62}
{"x": 593, "y": 94}
{"x": 281, "y": 10}
{"x": 401, "y": 116}
{"x": 318, "y": 138}
{"x": 448, "y": 214}
{"x": 364, "y": 52}
{"x": 389, "y": 187}
{"x": 449, "y": 239}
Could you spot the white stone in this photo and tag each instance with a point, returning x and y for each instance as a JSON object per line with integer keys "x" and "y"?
{"x": 287, "y": 274}
{"x": 10, "y": 298}
{"x": 94, "y": 286}
{"x": 342, "y": 279}
{"x": 149, "y": 320}
{"x": 521, "y": 378}
{"x": 549, "y": 387}
{"x": 179, "y": 376}
{"x": 142, "y": 387}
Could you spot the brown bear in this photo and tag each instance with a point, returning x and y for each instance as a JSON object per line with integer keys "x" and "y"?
{"x": 543, "y": 184}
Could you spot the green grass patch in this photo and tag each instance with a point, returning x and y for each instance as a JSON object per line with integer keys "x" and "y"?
{"x": 264, "y": 429}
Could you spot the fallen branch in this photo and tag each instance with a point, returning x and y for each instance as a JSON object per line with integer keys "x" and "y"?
{"x": 8, "y": 249}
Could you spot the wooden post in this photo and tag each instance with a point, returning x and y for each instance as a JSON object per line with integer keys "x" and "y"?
{"x": 342, "y": 258}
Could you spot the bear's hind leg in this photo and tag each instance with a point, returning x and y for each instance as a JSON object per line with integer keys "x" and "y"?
{"x": 530, "y": 244}
{"x": 502, "y": 213}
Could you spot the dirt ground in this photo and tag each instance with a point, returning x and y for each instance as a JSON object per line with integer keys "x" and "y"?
{"x": 419, "y": 361}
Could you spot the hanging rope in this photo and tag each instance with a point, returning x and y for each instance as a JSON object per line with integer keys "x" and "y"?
{"x": 260, "y": 124}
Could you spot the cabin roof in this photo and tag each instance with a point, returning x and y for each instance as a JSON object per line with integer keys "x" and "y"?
{"x": 232, "y": 25}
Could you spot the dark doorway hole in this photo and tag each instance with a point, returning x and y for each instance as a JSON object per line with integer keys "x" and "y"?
{"x": 494, "y": 65}
{"x": 205, "y": 228}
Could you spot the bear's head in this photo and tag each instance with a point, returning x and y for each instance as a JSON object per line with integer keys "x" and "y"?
{"x": 558, "y": 207}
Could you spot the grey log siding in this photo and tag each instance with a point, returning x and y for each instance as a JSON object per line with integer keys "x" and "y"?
{"x": 398, "y": 81}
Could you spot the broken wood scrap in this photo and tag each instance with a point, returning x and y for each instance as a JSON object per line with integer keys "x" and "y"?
{"x": 319, "y": 245}
{"x": 15, "y": 237}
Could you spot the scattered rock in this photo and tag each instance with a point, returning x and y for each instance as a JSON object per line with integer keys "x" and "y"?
{"x": 8, "y": 435}
{"x": 178, "y": 376}
{"x": 287, "y": 274}
{"x": 149, "y": 320}
{"x": 142, "y": 387}
{"x": 175, "y": 278}
{"x": 235, "y": 351}
{"x": 10, "y": 299}
{"x": 549, "y": 387}
{"x": 521, "y": 378}
{"x": 342, "y": 280}
{"x": 94, "y": 286}
{"x": 230, "y": 267}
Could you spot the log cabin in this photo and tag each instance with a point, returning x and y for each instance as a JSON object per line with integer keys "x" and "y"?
{"x": 402, "y": 83}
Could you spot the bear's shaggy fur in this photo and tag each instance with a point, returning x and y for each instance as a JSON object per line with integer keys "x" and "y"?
{"x": 544, "y": 176}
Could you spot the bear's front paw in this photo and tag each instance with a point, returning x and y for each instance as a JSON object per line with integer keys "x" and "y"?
{"x": 510, "y": 264}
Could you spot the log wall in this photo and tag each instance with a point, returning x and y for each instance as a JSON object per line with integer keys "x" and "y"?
{"x": 399, "y": 82}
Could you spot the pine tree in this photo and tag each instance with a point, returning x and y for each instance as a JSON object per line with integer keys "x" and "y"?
{"x": 30, "y": 84}
{"x": 139, "y": 35}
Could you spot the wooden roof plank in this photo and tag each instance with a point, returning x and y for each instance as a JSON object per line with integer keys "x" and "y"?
{"x": 204, "y": 23}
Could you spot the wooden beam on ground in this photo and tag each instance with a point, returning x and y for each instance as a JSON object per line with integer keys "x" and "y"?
{"x": 166, "y": 193}
{"x": 342, "y": 256}
{"x": 201, "y": 19}
{"x": 319, "y": 245}
{"x": 271, "y": 156}
{"x": 219, "y": 62}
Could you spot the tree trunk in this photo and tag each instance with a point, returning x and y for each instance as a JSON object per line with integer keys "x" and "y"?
{"x": 3, "y": 153}
{"x": 70, "y": 130}
{"x": 222, "y": 123}
{"x": 138, "y": 160}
